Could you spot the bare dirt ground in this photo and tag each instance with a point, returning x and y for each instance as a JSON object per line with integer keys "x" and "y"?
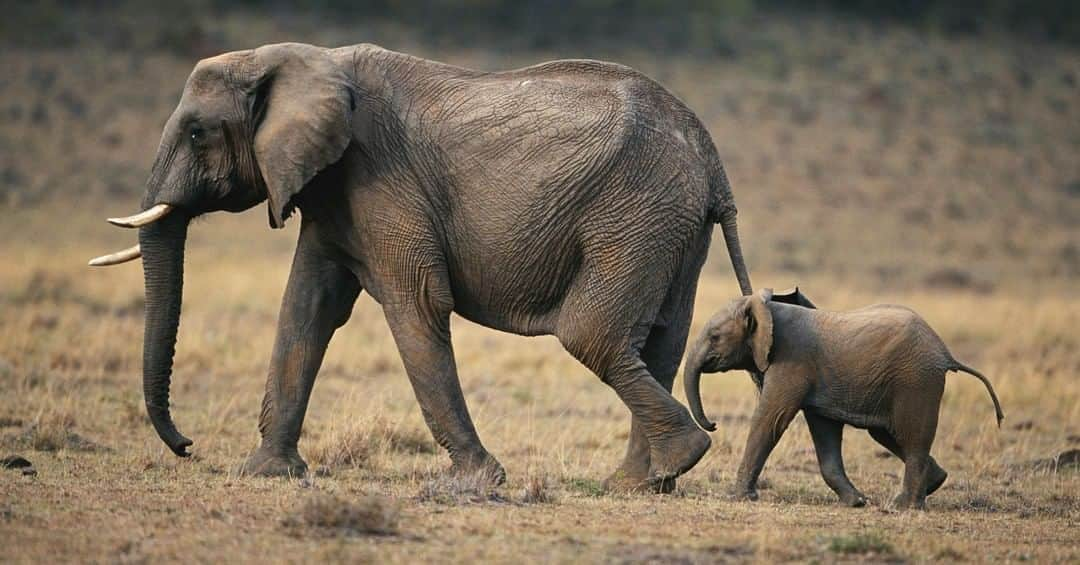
{"x": 870, "y": 165}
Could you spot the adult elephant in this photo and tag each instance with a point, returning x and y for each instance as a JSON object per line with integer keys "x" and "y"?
{"x": 573, "y": 198}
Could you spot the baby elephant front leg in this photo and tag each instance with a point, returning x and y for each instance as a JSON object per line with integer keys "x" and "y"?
{"x": 775, "y": 411}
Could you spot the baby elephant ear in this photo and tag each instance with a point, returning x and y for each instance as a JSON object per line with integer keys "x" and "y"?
{"x": 302, "y": 107}
{"x": 761, "y": 335}
{"x": 793, "y": 296}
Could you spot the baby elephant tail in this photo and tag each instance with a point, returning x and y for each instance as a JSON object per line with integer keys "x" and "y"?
{"x": 958, "y": 366}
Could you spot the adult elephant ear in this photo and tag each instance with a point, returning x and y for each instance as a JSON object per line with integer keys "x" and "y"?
{"x": 302, "y": 105}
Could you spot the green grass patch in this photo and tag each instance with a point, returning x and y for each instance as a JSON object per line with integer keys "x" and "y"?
{"x": 588, "y": 487}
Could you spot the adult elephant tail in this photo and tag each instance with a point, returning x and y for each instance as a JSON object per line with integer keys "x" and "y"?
{"x": 734, "y": 248}
{"x": 722, "y": 211}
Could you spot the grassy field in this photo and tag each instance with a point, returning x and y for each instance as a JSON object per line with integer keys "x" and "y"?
{"x": 870, "y": 165}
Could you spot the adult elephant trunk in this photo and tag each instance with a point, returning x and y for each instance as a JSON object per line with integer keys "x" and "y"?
{"x": 731, "y": 238}
{"x": 162, "y": 244}
{"x": 692, "y": 384}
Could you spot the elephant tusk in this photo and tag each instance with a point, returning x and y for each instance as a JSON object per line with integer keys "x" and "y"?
{"x": 149, "y": 216}
{"x": 124, "y": 256}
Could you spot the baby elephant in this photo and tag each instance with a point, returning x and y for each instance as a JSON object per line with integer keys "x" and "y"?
{"x": 881, "y": 368}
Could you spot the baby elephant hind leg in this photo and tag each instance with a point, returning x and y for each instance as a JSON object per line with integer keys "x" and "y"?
{"x": 916, "y": 425}
{"x": 828, "y": 438}
{"x": 935, "y": 476}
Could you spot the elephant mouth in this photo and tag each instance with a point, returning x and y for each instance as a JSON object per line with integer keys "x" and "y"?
{"x": 144, "y": 218}
{"x": 715, "y": 365}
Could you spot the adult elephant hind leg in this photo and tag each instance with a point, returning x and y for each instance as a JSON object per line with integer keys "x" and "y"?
{"x": 318, "y": 300}
{"x": 675, "y": 442}
{"x": 828, "y": 440}
{"x": 423, "y": 340}
{"x": 633, "y": 474}
{"x": 661, "y": 354}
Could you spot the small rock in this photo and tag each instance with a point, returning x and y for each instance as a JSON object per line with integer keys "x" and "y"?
{"x": 1024, "y": 425}
{"x": 29, "y": 472}
{"x": 15, "y": 462}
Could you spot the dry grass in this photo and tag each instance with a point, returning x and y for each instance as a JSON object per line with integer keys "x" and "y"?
{"x": 554, "y": 426}
{"x": 327, "y": 514}
{"x": 362, "y": 443}
{"x": 870, "y": 166}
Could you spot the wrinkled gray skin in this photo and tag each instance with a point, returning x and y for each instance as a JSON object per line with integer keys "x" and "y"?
{"x": 573, "y": 198}
{"x": 881, "y": 368}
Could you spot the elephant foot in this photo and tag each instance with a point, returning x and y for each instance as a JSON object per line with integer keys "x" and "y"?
{"x": 902, "y": 502}
{"x": 484, "y": 468}
{"x": 273, "y": 463}
{"x": 676, "y": 454}
{"x": 853, "y": 499}
{"x": 937, "y": 478}
{"x": 622, "y": 482}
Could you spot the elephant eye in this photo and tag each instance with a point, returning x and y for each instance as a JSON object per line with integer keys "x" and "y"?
{"x": 196, "y": 134}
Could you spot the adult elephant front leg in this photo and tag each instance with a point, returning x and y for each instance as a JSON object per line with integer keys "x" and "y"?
{"x": 422, "y": 334}
{"x": 318, "y": 300}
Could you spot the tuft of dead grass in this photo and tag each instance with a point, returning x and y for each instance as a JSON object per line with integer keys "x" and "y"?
{"x": 50, "y": 431}
{"x": 455, "y": 489}
{"x": 325, "y": 514}
{"x": 362, "y": 444}
{"x": 537, "y": 490}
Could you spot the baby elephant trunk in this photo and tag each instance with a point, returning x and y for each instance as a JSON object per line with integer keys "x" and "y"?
{"x": 692, "y": 384}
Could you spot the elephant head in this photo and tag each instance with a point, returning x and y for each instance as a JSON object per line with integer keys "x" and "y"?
{"x": 250, "y": 126}
{"x": 738, "y": 337}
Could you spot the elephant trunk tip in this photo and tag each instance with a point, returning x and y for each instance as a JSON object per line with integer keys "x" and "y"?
{"x": 167, "y": 431}
{"x": 692, "y": 387}
{"x": 705, "y": 423}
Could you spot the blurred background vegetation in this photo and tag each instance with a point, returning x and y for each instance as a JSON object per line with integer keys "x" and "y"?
{"x": 697, "y": 25}
{"x": 906, "y": 144}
